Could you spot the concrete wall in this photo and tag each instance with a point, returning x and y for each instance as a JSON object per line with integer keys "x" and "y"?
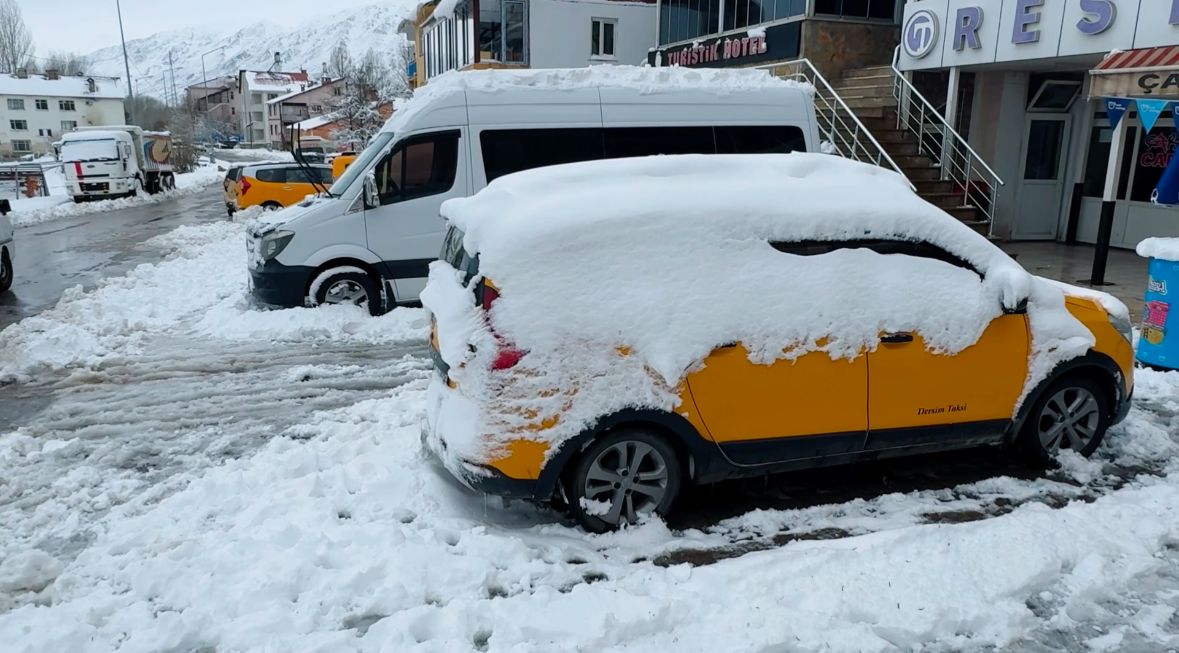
{"x": 836, "y": 45}
{"x": 559, "y": 32}
{"x": 996, "y": 133}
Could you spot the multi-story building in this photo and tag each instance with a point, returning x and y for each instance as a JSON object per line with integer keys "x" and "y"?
{"x": 254, "y": 89}
{"x": 35, "y": 110}
{"x": 314, "y": 101}
{"x": 215, "y": 102}
{"x": 534, "y": 34}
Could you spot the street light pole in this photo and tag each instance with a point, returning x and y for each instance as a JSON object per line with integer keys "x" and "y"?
{"x": 205, "y": 89}
{"x": 126, "y": 61}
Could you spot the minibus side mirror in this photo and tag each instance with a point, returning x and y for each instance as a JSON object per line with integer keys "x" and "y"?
{"x": 371, "y": 199}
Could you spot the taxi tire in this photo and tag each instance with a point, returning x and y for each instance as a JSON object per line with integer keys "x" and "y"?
{"x": 5, "y": 271}
{"x": 271, "y": 206}
{"x": 1029, "y": 445}
{"x": 576, "y": 479}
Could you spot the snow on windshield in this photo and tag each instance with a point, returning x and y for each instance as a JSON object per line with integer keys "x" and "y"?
{"x": 673, "y": 257}
{"x": 96, "y": 150}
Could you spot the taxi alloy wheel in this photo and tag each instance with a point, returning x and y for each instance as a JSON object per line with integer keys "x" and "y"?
{"x": 1074, "y": 414}
{"x": 622, "y": 477}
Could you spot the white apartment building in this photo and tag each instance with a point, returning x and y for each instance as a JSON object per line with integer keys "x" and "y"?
{"x": 35, "y": 110}
{"x": 462, "y": 34}
{"x": 254, "y": 90}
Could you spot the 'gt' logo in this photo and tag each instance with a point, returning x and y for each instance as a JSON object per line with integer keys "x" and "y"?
{"x": 920, "y": 34}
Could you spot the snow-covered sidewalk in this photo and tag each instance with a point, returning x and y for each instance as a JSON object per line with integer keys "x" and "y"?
{"x": 29, "y": 211}
{"x": 305, "y": 517}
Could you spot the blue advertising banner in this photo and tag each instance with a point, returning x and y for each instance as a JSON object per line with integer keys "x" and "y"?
{"x": 1116, "y": 107}
{"x": 1149, "y": 112}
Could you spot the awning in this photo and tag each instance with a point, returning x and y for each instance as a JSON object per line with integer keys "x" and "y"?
{"x": 1144, "y": 73}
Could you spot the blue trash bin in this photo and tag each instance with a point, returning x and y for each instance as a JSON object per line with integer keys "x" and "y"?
{"x": 1159, "y": 341}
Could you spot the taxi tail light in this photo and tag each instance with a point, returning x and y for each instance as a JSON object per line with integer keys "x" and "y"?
{"x": 245, "y": 185}
{"x": 506, "y": 355}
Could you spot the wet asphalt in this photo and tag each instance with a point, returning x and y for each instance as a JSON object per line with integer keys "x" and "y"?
{"x": 54, "y": 256}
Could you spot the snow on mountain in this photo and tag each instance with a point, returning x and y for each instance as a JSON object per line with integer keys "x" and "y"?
{"x": 307, "y": 46}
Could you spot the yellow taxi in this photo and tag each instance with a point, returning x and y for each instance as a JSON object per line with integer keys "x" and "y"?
{"x": 341, "y": 163}
{"x": 683, "y": 320}
{"x": 278, "y": 185}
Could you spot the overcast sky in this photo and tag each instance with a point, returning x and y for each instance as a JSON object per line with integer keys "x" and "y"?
{"x": 83, "y": 26}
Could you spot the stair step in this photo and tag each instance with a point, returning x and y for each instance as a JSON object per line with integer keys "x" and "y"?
{"x": 868, "y": 102}
{"x": 926, "y": 187}
{"x": 916, "y": 174}
{"x": 864, "y": 90}
{"x": 867, "y": 71}
{"x": 912, "y": 161}
{"x": 944, "y": 200}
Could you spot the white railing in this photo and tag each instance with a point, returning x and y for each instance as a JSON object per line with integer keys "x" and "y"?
{"x": 841, "y": 130}
{"x": 959, "y": 163}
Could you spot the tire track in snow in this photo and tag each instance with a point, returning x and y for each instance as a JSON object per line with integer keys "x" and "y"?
{"x": 135, "y": 430}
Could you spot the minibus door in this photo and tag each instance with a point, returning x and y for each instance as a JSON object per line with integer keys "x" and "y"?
{"x": 404, "y": 228}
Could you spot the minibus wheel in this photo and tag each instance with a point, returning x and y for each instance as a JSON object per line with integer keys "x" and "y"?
{"x": 622, "y": 476}
{"x": 355, "y": 288}
{"x": 1073, "y": 413}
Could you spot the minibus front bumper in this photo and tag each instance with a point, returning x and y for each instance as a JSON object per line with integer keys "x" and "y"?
{"x": 275, "y": 284}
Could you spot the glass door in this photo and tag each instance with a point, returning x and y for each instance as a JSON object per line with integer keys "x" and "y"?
{"x": 1041, "y": 191}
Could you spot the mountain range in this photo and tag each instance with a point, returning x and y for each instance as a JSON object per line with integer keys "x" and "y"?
{"x": 252, "y": 47}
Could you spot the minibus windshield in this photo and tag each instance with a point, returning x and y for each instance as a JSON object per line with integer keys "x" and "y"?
{"x": 360, "y": 166}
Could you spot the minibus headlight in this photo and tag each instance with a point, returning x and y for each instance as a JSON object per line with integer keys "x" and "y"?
{"x": 273, "y": 243}
{"x": 1123, "y": 326}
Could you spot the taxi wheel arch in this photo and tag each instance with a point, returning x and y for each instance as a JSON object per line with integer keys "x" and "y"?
{"x": 1093, "y": 372}
{"x": 375, "y": 308}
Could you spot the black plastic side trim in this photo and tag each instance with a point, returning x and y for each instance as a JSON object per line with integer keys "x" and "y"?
{"x": 965, "y": 433}
{"x": 760, "y": 453}
{"x": 407, "y": 268}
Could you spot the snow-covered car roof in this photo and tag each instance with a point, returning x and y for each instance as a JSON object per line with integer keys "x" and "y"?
{"x": 95, "y": 135}
{"x": 717, "y": 82}
{"x": 776, "y": 197}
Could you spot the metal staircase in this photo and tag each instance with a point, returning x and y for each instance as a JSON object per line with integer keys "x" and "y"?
{"x": 875, "y": 115}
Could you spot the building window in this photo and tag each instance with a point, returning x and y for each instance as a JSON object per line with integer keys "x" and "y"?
{"x": 65, "y": 105}
{"x": 69, "y": 125}
{"x": 602, "y": 37}
{"x": 16, "y": 105}
{"x": 22, "y": 146}
{"x": 1155, "y": 150}
{"x": 874, "y": 9}
{"x": 42, "y": 105}
{"x": 18, "y": 125}
{"x": 683, "y": 20}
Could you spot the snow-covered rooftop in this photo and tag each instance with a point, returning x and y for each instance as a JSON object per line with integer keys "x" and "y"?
{"x": 274, "y": 82}
{"x": 301, "y": 91}
{"x": 318, "y": 121}
{"x": 107, "y": 88}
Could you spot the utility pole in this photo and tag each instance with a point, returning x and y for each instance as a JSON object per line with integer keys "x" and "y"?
{"x": 167, "y": 97}
{"x": 126, "y": 61}
{"x": 175, "y": 95}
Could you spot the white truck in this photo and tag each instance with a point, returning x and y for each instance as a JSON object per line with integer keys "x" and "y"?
{"x": 116, "y": 161}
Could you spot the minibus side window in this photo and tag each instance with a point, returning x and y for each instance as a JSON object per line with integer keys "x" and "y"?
{"x": 419, "y": 167}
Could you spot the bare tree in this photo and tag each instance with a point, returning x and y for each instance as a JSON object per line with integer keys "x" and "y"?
{"x": 16, "y": 43}
{"x": 340, "y": 64}
{"x": 65, "y": 63}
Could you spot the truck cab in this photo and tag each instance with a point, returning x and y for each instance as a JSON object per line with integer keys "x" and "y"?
{"x": 101, "y": 165}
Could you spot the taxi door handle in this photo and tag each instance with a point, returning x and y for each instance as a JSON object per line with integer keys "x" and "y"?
{"x": 896, "y": 338}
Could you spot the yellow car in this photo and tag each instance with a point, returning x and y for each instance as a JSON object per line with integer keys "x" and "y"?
{"x": 279, "y": 185}
{"x": 341, "y": 163}
{"x": 230, "y": 186}
{"x": 606, "y": 333}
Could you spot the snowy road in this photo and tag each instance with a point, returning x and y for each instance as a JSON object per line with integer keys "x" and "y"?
{"x": 82, "y": 250}
{"x": 182, "y": 472}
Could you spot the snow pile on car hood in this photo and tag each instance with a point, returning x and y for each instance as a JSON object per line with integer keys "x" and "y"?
{"x": 672, "y": 257}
